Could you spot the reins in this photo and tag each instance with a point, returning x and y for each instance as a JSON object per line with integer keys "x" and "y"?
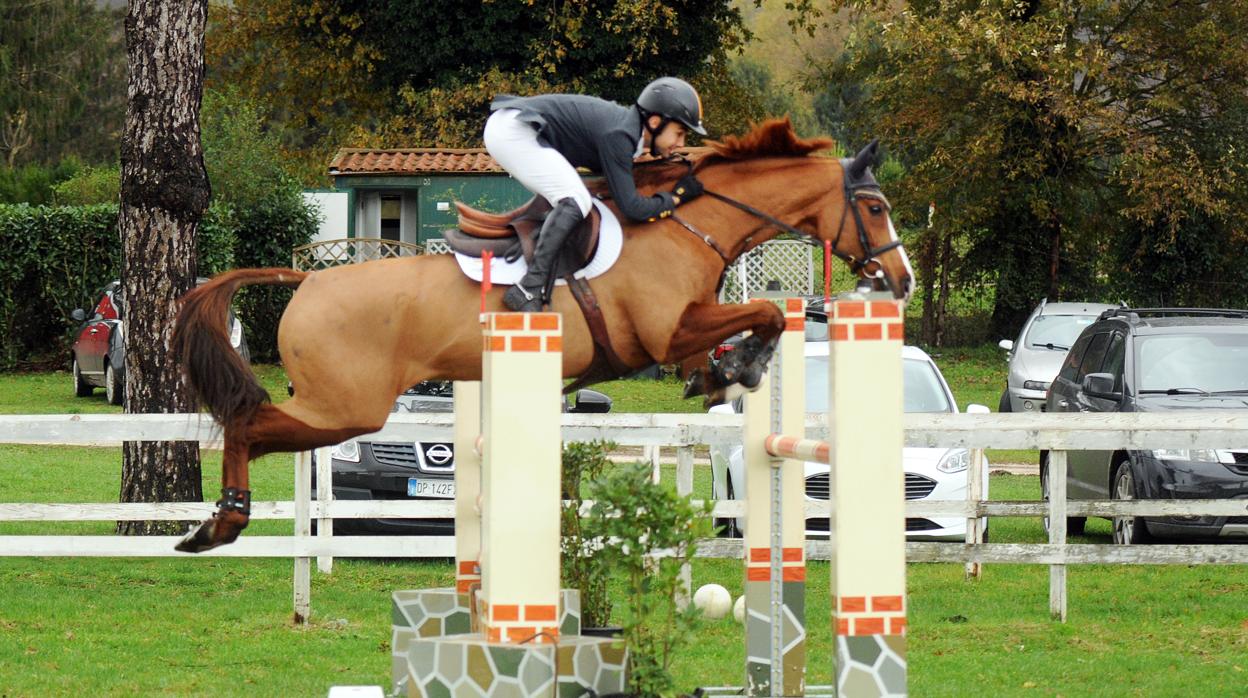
{"x": 852, "y": 193}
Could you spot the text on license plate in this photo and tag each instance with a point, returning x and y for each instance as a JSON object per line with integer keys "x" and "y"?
{"x": 417, "y": 487}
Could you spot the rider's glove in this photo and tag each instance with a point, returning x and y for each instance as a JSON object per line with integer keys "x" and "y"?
{"x": 688, "y": 188}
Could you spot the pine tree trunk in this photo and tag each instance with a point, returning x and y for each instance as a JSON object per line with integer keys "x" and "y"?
{"x": 164, "y": 192}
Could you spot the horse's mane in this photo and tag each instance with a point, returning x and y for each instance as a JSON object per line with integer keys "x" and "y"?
{"x": 772, "y": 138}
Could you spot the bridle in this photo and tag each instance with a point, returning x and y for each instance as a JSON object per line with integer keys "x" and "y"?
{"x": 854, "y": 190}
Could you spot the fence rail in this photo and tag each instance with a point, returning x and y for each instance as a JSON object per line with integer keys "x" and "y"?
{"x": 1055, "y": 433}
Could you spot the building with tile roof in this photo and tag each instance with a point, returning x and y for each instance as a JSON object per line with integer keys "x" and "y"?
{"x": 406, "y": 194}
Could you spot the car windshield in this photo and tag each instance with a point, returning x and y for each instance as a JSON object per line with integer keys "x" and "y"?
{"x": 1192, "y": 363}
{"x": 1060, "y": 331}
{"x": 921, "y": 386}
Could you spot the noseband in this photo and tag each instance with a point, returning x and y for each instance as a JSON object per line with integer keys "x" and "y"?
{"x": 853, "y": 191}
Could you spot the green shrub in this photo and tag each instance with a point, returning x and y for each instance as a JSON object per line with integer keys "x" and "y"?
{"x": 635, "y": 518}
{"x": 90, "y": 185}
{"x": 34, "y": 183}
{"x": 55, "y": 258}
{"x": 268, "y": 231}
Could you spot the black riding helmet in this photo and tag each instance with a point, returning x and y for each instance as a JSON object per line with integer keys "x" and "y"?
{"x": 672, "y": 99}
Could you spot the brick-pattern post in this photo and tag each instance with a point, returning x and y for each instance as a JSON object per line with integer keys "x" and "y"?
{"x": 522, "y": 371}
{"x": 467, "y": 488}
{"x": 868, "y": 489}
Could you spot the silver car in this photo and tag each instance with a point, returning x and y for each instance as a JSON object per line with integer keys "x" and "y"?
{"x": 1036, "y": 356}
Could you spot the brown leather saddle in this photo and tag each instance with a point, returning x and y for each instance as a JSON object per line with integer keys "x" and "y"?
{"x": 509, "y": 235}
{"x": 512, "y": 234}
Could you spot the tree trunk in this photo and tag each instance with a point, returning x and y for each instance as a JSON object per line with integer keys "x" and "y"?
{"x": 928, "y": 244}
{"x": 164, "y": 192}
{"x": 942, "y": 304}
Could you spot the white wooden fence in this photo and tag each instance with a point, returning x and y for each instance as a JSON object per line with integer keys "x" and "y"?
{"x": 1057, "y": 433}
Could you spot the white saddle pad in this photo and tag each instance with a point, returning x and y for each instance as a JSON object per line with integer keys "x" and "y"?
{"x": 504, "y": 273}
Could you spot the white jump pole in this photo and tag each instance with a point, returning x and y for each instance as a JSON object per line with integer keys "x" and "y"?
{"x": 775, "y": 529}
{"x": 467, "y": 488}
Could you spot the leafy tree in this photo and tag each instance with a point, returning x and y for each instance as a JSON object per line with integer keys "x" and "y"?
{"x": 399, "y": 73}
{"x": 62, "y": 80}
{"x": 1046, "y": 131}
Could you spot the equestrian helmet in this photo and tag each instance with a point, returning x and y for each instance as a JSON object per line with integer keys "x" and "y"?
{"x": 673, "y": 98}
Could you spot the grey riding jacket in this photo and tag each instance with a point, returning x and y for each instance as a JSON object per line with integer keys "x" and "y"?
{"x": 593, "y": 133}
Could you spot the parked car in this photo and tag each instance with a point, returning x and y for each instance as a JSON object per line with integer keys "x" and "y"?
{"x": 1037, "y": 354}
{"x": 931, "y": 473}
{"x": 423, "y": 470}
{"x": 98, "y": 353}
{"x": 1156, "y": 360}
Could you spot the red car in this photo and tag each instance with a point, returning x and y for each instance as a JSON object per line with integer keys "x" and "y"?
{"x": 99, "y": 350}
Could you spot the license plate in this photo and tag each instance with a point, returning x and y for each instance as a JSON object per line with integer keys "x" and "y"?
{"x": 441, "y": 489}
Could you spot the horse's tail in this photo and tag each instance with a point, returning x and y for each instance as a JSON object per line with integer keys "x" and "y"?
{"x": 220, "y": 379}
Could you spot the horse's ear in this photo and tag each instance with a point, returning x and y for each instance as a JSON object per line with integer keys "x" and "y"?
{"x": 865, "y": 158}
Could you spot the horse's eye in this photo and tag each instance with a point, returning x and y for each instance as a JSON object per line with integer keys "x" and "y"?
{"x": 875, "y": 209}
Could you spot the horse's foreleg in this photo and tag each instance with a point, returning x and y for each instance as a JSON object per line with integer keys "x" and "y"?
{"x": 704, "y": 325}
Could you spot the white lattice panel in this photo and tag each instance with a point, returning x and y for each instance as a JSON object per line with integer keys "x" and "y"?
{"x": 332, "y": 253}
{"x": 788, "y": 262}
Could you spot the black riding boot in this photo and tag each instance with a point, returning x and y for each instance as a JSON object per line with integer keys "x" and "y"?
{"x": 526, "y": 296}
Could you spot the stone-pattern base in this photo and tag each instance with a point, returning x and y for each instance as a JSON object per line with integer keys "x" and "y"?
{"x": 758, "y": 639}
{"x": 870, "y": 665}
{"x": 469, "y": 665}
{"x": 429, "y": 613}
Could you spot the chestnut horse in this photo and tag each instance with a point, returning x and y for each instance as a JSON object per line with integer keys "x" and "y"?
{"x": 355, "y": 337}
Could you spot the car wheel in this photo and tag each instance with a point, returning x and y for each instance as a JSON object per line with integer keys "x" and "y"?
{"x": 114, "y": 388}
{"x": 1128, "y": 530}
{"x": 81, "y": 387}
{"x": 1074, "y": 524}
{"x": 1005, "y": 406}
{"x": 727, "y": 528}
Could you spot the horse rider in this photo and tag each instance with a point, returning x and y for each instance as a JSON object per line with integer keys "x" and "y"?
{"x": 541, "y": 140}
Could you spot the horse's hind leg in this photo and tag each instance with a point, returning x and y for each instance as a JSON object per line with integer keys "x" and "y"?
{"x": 270, "y": 430}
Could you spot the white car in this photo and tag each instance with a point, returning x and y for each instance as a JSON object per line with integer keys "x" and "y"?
{"x": 931, "y": 473}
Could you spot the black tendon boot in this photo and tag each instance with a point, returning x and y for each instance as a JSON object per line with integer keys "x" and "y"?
{"x": 526, "y": 296}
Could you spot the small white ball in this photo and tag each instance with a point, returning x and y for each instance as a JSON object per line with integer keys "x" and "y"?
{"x": 713, "y": 600}
{"x": 738, "y": 609}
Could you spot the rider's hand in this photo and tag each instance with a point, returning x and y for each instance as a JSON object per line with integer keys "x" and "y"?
{"x": 687, "y": 189}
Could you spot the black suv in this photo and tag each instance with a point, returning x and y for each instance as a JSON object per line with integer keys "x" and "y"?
{"x": 1157, "y": 360}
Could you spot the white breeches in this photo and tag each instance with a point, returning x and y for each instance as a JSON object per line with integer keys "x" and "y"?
{"x": 544, "y": 171}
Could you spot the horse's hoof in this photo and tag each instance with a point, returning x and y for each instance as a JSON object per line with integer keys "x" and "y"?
{"x": 752, "y": 376}
{"x": 198, "y": 540}
{"x": 696, "y": 385}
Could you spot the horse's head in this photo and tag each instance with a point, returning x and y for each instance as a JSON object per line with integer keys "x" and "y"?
{"x": 863, "y": 234}
{"x": 837, "y": 202}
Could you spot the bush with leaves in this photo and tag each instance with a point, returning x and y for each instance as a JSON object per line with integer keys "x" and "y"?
{"x": 55, "y": 258}
{"x": 647, "y": 533}
{"x": 249, "y": 172}
{"x": 90, "y": 185}
{"x": 583, "y": 463}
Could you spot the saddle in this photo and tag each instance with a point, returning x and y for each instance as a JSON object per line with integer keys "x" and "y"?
{"x": 513, "y": 234}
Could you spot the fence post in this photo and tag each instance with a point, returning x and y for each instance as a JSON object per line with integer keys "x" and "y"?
{"x": 974, "y": 486}
{"x": 324, "y": 495}
{"x": 1057, "y": 533}
{"x": 684, "y": 488}
{"x": 303, "y": 528}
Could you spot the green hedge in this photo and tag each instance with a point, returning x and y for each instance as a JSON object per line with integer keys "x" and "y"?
{"x": 55, "y": 258}
{"x": 269, "y": 230}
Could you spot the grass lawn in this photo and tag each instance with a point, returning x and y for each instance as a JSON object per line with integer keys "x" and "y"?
{"x": 210, "y": 626}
